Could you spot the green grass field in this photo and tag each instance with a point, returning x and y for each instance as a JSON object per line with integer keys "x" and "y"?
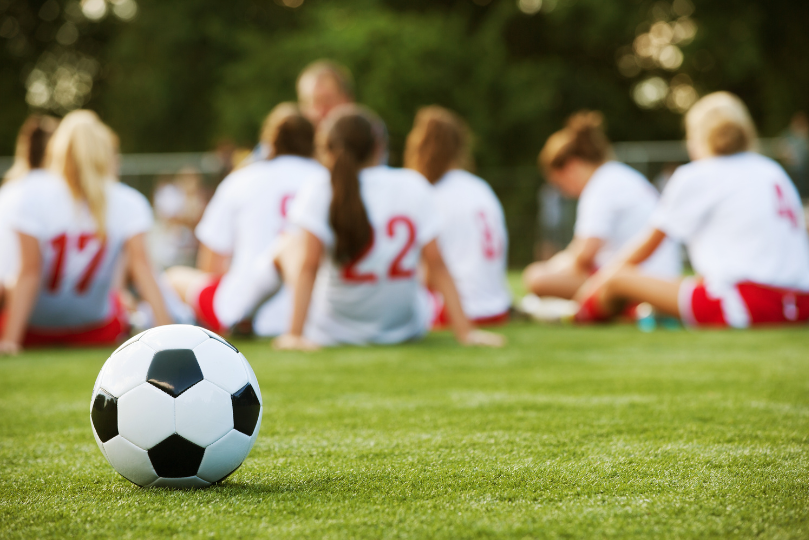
{"x": 567, "y": 433}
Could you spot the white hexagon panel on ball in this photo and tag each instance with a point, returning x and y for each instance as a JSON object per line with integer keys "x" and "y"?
{"x": 175, "y": 336}
{"x": 145, "y": 416}
{"x": 203, "y": 413}
{"x": 127, "y": 369}
{"x": 224, "y": 456}
{"x": 130, "y": 461}
{"x": 221, "y": 365}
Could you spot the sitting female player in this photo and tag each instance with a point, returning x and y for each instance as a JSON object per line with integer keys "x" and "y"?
{"x": 244, "y": 218}
{"x": 615, "y": 204}
{"x": 73, "y": 230}
{"x": 740, "y": 218}
{"x": 29, "y": 159}
{"x": 473, "y": 238}
{"x": 369, "y": 226}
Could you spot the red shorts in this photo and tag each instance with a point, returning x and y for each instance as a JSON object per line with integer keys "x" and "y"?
{"x": 746, "y": 304}
{"x": 202, "y": 302}
{"x": 441, "y": 317}
{"x": 111, "y": 332}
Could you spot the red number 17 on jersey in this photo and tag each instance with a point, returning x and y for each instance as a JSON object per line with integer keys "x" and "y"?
{"x": 60, "y": 247}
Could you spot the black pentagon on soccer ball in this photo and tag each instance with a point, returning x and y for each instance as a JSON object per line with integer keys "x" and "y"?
{"x": 174, "y": 371}
{"x": 105, "y": 415}
{"x": 246, "y": 409}
{"x": 176, "y": 457}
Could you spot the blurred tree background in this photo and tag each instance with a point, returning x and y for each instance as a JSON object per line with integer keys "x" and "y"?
{"x": 186, "y": 75}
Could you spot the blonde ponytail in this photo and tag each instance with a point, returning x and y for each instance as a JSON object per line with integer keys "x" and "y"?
{"x": 82, "y": 151}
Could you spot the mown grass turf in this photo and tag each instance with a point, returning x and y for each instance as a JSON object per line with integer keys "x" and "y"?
{"x": 567, "y": 433}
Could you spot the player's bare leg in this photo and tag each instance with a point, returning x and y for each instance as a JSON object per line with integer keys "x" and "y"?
{"x": 186, "y": 281}
{"x": 559, "y": 276}
{"x": 631, "y": 285}
{"x": 543, "y": 279}
{"x": 551, "y": 284}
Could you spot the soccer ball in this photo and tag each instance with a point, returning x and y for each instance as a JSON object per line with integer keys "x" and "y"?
{"x": 176, "y": 406}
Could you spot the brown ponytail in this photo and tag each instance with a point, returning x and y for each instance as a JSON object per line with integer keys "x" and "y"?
{"x": 438, "y": 142}
{"x": 287, "y": 132}
{"x": 583, "y": 138}
{"x": 349, "y": 142}
{"x": 31, "y": 143}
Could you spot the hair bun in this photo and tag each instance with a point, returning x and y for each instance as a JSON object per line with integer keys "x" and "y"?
{"x": 585, "y": 121}
{"x": 728, "y": 138}
{"x": 583, "y": 137}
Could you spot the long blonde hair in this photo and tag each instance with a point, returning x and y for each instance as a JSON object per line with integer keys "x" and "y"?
{"x": 82, "y": 151}
{"x": 720, "y": 125}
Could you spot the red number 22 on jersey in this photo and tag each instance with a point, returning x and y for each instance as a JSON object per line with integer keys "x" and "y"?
{"x": 352, "y": 275}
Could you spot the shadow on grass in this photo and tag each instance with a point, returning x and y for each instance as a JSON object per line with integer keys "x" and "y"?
{"x": 259, "y": 489}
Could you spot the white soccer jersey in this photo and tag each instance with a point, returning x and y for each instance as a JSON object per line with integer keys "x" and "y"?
{"x": 740, "y": 218}
{"x": 615, "y": 206}
{"x": 9, "y": 245}
{"x": 474, "y": 242}
{"x": 9, "y": 255}
{"x": 244, "y": 218}
{"x": 77, "y": 266}
{"x": 377, "y": 298}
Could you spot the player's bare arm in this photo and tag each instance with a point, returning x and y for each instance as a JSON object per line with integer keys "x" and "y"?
{"x": 294, "y": 340}
{"x": 441, "y": 280}
{"x": 143, "y": 276}
{"x": 22, "y": 296}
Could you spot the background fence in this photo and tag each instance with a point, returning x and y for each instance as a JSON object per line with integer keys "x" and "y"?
{"x": 540, "y": 221}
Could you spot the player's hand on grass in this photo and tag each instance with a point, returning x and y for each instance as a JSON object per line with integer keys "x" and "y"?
{"x": 290, "y": 342}
{"x": 9, "y": 348}
{"x": 482, "y": 338}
